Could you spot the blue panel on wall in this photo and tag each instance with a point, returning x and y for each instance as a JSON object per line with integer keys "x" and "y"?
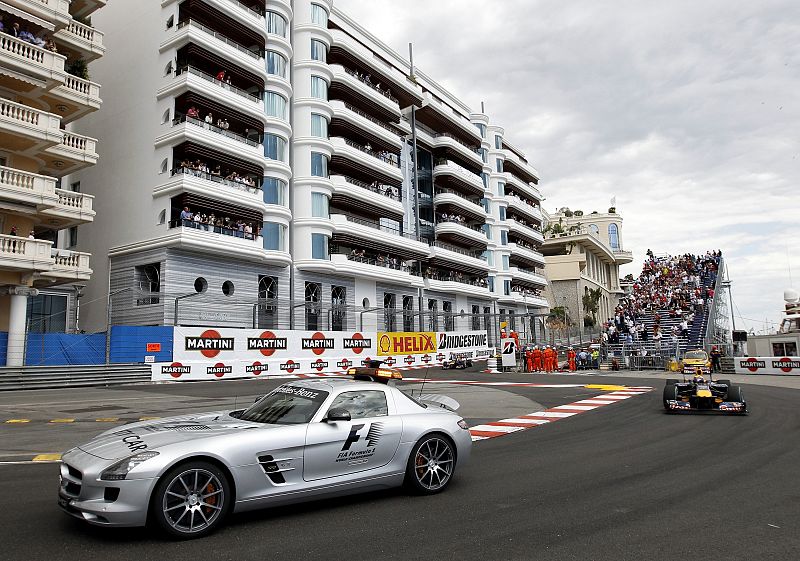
{"x": 129, "y": 343}
{"x": 55, "y": 349}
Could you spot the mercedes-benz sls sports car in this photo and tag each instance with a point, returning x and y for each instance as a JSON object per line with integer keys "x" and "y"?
{"x": 307, "y": 439}
{"x": 701, "y": 394}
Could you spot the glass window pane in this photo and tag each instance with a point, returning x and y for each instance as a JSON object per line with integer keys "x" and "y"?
{"x": 276, "y": 64}
{"x": 319, "y": 205}
{"x": 273, "y": 234}
{"x": 319, "y": 165}
{"x": 319, "y": 88}
{"x": 274, "y": 190}
{"x": 362, "y": 404}
{"x": 319, "y": 126}
{"x": 319, "y": 246}
{"x": 318, "y": 50}
{"x": 275, "y": 105}
{"x": 276, "y": 24}
{"x": 319, "y": 15}
{"x": 505, "y": 262}
{"x": 274, "y": 147}
{"x": 499, "y": 165}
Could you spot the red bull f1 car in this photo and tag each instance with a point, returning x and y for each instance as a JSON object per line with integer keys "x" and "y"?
{"x": 704, "y": 395}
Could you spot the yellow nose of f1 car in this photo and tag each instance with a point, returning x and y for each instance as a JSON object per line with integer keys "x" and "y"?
{"x": 703, "y": 393}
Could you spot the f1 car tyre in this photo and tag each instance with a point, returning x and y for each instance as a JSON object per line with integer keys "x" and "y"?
{"x": 469, "y": 364}
{"x": 726, "y": 382}
{"x": 191, "y": 500}
{"x": 670, "y": 393}
{"x": 735, "y": 394}
{"x": 431, "y": 465}
{"x": 672, "y": 382}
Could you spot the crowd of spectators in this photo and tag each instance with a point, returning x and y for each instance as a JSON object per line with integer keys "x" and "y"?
{"x": 535, "y": 293}
{"x": 219, "y": 224}
{"x": 200, "y": 168}
{"x": 680, "y": 287}
{"x": 23, "y": 33}
{"x": 435, "y": 273}
{"x": 379, "y": 259}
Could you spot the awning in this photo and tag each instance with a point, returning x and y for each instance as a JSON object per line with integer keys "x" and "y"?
{"x": 26, "y": 16}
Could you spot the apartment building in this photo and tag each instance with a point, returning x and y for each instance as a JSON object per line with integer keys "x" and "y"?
{"x": 45, "y": 49}
{"x": 583, "y": 253}
{"x": 263, "y": 176}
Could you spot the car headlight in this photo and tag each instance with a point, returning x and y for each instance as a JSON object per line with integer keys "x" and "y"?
{"x": 120, "y": 470}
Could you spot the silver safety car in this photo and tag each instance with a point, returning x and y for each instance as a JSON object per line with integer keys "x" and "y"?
{"x": 307, "y": 439}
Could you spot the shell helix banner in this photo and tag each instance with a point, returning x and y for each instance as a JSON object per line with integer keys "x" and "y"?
{"x": 219, "y": 353}
{"x": 782, "y": 366}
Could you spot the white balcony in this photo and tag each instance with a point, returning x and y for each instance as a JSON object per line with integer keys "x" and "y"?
{"x": 341, "y": 76}
{"x": 213, "y": 243}
{"x": 190, "y": 31}
{"x": 357, "y": 229}
{"x": 83, "y": 38}
{"x": 450, "y": 142}
{"x": 189, "y": 78}
{"x": 457, "y": 257}
{"x": 528, "y": 172}
{"x": 68, "y": 266}
{"x": 374, "y": 197}
{"x": 54, "y": 12}
{"x": 85, "y": 95}
{"x": 30, "y": 63}
{"x": 527, "y": 278}
{"x": 525, "y": 231}
{"x": 469, "y": 208}
{"x": 525, "y": 300}
{"x": 70, "y": 208}
{"x": 528, "y": 211}
{"x": 363, "y": 269}
{"x": 526, "y": 189}
{"x": 622, "y": 256}
{"x": 365, "y": 160}
{"x": 434, "y": 110}
{"x": 27, "y": 188}
{"x": 83, "y": 8}
{"x": 462, "y": 234}
{"x": 465, "y": 178}
{"x": 39, "y": 259}
{"x": 32, "y": 130}
{"x": 365, "y": 122}
{"x": 195, "y": 130}
{"x": 235, "y": 10}
{"x": 77, "y": 149}
{"x": 453, "y": 287}
{"x": 528, "y": 255}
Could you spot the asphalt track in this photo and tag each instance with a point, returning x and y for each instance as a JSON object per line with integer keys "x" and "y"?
{"x": 623, "y": 482}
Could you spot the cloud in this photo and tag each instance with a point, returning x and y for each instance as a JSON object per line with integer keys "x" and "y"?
{"x": 686, "y": 111}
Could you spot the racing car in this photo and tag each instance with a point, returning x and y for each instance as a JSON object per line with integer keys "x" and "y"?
{"x": 696, "y": 362}
{"x": 457, "y": 362}
{"x": 307, "y": 439}
{"x": 699, "y": 394}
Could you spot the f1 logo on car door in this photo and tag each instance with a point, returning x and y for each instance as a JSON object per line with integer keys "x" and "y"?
{"x": 368, "y": 441}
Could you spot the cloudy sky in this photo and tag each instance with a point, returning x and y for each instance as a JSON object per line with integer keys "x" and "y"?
{"x": 686, "y": 111}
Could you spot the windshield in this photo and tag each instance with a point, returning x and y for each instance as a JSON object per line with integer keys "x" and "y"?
{"x": 286, "y": 405}
{"x": 696, "y": 355}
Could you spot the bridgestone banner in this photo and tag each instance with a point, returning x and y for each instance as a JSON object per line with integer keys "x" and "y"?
{"x": 783, "y": 366}
{"x": 220, "y": 353}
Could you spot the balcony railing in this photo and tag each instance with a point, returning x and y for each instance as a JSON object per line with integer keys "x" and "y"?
{"x": 238, "y": 46}
{"x": 516, "y": 289}
{"x": 461, "y": 170}
{"x": 32, "y": 53}
{"x": 457, "y": 277}
{"x": 385, "y": 190}
{"x": 82, "y": 87}
{"x": 380, "y": 261}
{"x": 455, "y": 220}
{"x": 256, "y": 10}
{"x": 213, "y": 128}
{"x": 208, "y": 77}
{"x": 440, "y": 190}
{"x": 370, "y": 118}
{"x": 25, "y": 115}
{"x": 78, "y": 142}
{"x": 460, "y": 250}
{"x": 461, "y": 142}
{"x": 27, "y": 182}
{"x": 233, "y": 232}
{"x": 238, "y": 185}
{"x": 377, "y": 226}
{"x": 387, "y": 157}
{"x": 365, "y": 80}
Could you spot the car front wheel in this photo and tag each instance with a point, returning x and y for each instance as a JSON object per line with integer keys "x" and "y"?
{"x": 191, "y": 500}
{"x": 431, "y": 465}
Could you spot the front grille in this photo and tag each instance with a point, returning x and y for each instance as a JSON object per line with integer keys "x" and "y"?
{"x": 74, "y": 473}
{"x": 71, "y": 481}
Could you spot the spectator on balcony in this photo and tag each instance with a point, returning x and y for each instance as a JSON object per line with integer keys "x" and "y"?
{"x": 14, "y": 31}
{"x": 185, "y": 214}
{"x": 32, "y": 235}
{"x": 193, "y": 112}
{"x": 217, "y": 171}
{"x": 209, "y": 119}
{"x": 221, "y": 76}
{"x": 50, "y": 45}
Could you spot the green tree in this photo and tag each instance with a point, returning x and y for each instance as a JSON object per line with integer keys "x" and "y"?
{"x": 591, "y": 302}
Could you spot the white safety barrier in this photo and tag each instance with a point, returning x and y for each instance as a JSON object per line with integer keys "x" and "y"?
{"x": 783, "y": 366}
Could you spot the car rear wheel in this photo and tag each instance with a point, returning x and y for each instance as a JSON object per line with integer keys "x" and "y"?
{"x": 735, "y": 394}
{"x": 726, "y": 382}
{"x": 431, "y": 465}
{"x": 672, "y": 382}
{"x": 670, "y": 393}
{"x": 191, "y": 500}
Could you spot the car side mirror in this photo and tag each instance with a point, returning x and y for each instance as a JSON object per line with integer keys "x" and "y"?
{"x": 337, "y": 415}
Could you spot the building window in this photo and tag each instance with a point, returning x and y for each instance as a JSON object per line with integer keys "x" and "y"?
{"x": 499, "y": 165}
{"x": 276, "y": 64}
{"x": 319, "y": 88}
{"x": 498, "y": 142}
{"x": 488, "y": 256}
{"x": 319, "y": 126}
{"x": 485, "y": 179}
{"x": 319, "y": 15}
{"x": 788, "y": 348}
{"x": 449, "y": 318}
{"x": 319, "y": 246}
{"x": 274, "y": 147}
{"x": 319, "y": 205}
{"x": 613, "y": 236}
{"x": 503, "y": 237}
{"x": 490, "y": 283}
{"x": 228, "y": 288}
{"x": 276, "y": 24}
{"x": 501, "y": 188}
{"x": 148, "y": 283}
{"x": 313, "y": 298}
{"x": 476, "y": 318}
{"x": 338, "y": 308}
{"x": 274, "y": 235}
{"x": 505, "y": 262}
{"x": 484, "y": 154}
{"x": 507, "y": 287}
{"x": 73, "y": 237}
{"x": 274, "y": 190}
{"x": 502, "y": 214}
{"x": 408, "y": 313}
{"x": 275, "y": 105}
{"x": 319, "y": 165}
{"x": 318, "y": 51}
{"x": 594, "y": 229}
{"x": 433, "y": 315}
{"x": 389, "y": 319}
{"x": 481, "y": 127}
{"x": 47, "y": 313}
{"x": 487, "y": 230}
{"x": 267, "y": 302}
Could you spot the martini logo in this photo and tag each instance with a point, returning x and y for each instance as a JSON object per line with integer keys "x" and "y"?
{"x": 319, "y": 365}
{"x": 461, "y": 341}
{"x": 786, "y": 364}
{"x": 440, "y": 357}
{"x": 406, "y": 343}
{"x": 210, "y": 343}
{"x": 426, "y": 359}
{"x": 290, "y": 366}
{"x": 409, "y": 360}
{"x": 753, "y": 364}
{"x": 176, "y": 369}
{"x": 357, "y": 343}
{"x": 219, "y": 370}
{"x": 256, "y": 368}
{"x": 266, "y": 343}
{"x": 366, "y": 361}
{"x": 390, "y": 361}
{"x": 317, "y": 343}
{"x": 344, "y": 364}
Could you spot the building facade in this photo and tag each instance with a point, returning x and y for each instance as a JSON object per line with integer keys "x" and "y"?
{"x": 45, "y": 90}
{"x": 264, "y": 176}
{"x": 583, "y": 254}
